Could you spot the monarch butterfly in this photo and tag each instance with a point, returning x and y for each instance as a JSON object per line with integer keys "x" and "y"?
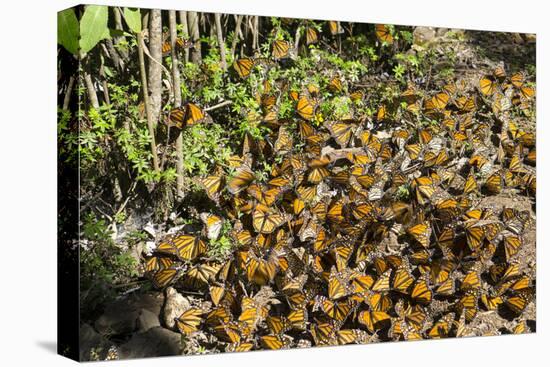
{"x": 437, "y": 102}
{"x": 155, "y": 263}
{"x": 190, "y": 115}
{"x": 383, "y": 33}
{"x": 491, "y": 303}
{"x": 446, "y": 288}
{"x": 342, "y": 132}
{"x": 261, "y": 271}
{"x": 267, "y": 221}
{"x": 383, "y": 282}
{"x": 189, "y": 247}
{"x": 281, "y": 49}
{"x": 402, "y": 280}
{"x": 471, "y": 281}
{"x": 471, "y": 184}
{"x": 373, "y": 320}
{"x": 305, "y": 108}
{"x": 494, "y": 183}
{"x": 242, "y": 178}
{"x": 517, "y": 303}
{"x": 311, "y": 36}
{"x": 213, "y": 225}
{"x": 239, "y": 347}
{"x": 164, "y": 276}
{"x": 181, "y": 43}
{"x": 283, "y": 144}
{"x": 338, "y": 287}
{"x": 421, "y": 293}
{"x": 465, "y": 104}
{"x": 318, "y": 170}
{"x": 189, "y": 321}
{"x": 475, "y": 235}
{"x": 335, "y": 85}
{"x": 512, "y": 245}
{"x": 200, "y": 275}
{"x": 487, "y": 85}
{"x": 212, "y": 185}
{"x": 421, "y": 233}
{"x": 273, "y": 342}
{"x": 382, "y": 114}
{"x": 468, "y": 305}
{"x": 243, "y": 66}
{"x": 442, "y": 327}
{"x": 335, "y": 28}
{"x": 337, "y": 310}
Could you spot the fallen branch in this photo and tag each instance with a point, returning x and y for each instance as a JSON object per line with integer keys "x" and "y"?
{"x": 219, "y": 105}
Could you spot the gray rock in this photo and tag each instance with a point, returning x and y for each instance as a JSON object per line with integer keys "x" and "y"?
{"x": 423, "y": 35}
{"x": 440, "y": 32}
{"x": 155, "y": 342}
{"x": 121, "y": 316}
{"x": 175, "y": 305}
{"x": 92, "y": 345}
{"x": 147, "y": 320}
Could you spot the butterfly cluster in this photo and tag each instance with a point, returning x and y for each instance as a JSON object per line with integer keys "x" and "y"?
{"x": 364, "y": 229}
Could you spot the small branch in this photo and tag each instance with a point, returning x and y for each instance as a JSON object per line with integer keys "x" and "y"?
{"x": 68, "y": 93}
{"x": 219, "y": 105}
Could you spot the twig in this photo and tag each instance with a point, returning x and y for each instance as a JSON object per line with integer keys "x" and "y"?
{"x": 219, "y": 105}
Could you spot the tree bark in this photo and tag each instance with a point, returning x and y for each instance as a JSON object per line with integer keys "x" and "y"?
{"x": 150, "y": 124}
{"x": 221, "y": 41}
{"x": 155, "y": 70}
{"x": 236, "y": 36}
{"x": 177, "y": 100}
{"x": 92, "y": 95}
{"x": 68, "y": 93}
{"x": 185, "y": 31}
{"x": 193, "y": 24}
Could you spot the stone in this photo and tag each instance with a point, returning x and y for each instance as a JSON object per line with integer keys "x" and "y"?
{"x": 92, "y": 346}
{"x": 155, "y": 342}
{"x": 147, "y": 320}
{"x": 175, "y": 305}
{"x": 423, "y": 35}
{"x": 121, "y": 316}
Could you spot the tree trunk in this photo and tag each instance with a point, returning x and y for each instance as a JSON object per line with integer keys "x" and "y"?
{"x": 150, "y": 124}
{"x": 177, "y": 99}
{"x": 221, "y": 41}
{"x": 185, "y": 31}
{"x": 193, "y": 25}
{"x": 236, "y": 36}
{"x": 155, "y": 70}
{"x": 68, "y": 93}
{"x": 92, "y": 95}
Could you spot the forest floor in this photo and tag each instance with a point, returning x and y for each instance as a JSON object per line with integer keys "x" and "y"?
{"x": 140, "y": 323}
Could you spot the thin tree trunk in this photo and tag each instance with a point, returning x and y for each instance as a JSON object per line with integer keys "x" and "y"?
{"x": 185, "y": 31}
{"x": 236, "y": 36}
{"x": 118, "y": 25}
{"x": 193, "y": 25}
{"x": 256, "y": 32}
{"x": 150, "y": 124}
{"x": 68, "y": 93}
{"x": 177, "y": 100}
{"x": 92, "y": 95}
{"x": 221, "y": 42}
{"x": 155, "y": 70}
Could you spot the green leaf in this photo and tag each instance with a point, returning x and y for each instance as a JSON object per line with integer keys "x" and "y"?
{"x": 133, "y": 19}
{"x": 93, "y": 26}
{"x": 67, "y": 30}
